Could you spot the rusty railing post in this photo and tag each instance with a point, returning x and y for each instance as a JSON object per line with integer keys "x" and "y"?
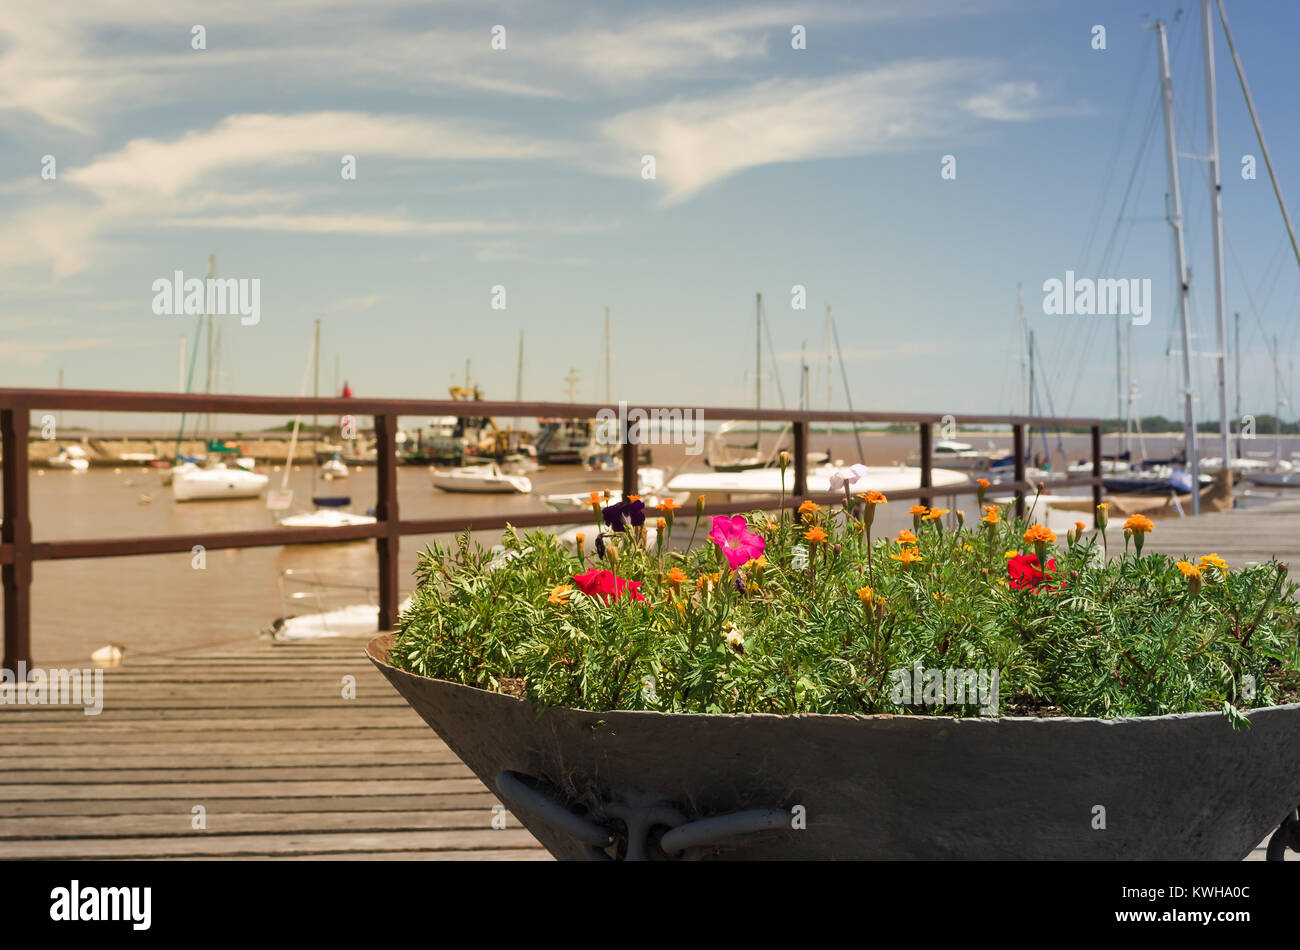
{"x": 1018, "y": 431}
{"x": 389, "y": 544}
{"x": 16, "y": 532}
{"x": 1096, "y": 472}
{"x": 800, "y": 459}
{"x": 927, "y": 460}
{"x": 631, "y": 459}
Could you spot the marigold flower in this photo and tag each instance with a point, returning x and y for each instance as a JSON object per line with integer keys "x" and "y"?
{"x": 906, "y": 537}
{"x": 808, "y": 509}
{"x": 708, "y": 581}
{"x": 1039, "y": 534}
{"x": 982, "y": 482}
{"x": 917, "y": 510}
{"x": 677, "y": 577}
{"x": 934, "y": 514}
{"x": 1213, "y": 560}
{"x": 866, "y": 595}
{"x": 991, "y": 515}
{"x": 907, "y": 556}
{"x": 1139, "y": 524}
{"x": 594, "y": 499}
{"x": 1188, "y": 569}
{"x": 1010, "y": 554}
{"x": 668, "y": 504}
{"x": 1193, "y": 575}
{"x": 874, "y": 498}
{"x": 815, "y": 535}
{"x": 559, "y": 594}
{"x": 1081, "y": 526}
{"x": 660, "y": 524}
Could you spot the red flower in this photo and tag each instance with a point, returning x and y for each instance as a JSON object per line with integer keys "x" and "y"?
{"x": 598, "y": 583}
{"x": 1025, "y": 574}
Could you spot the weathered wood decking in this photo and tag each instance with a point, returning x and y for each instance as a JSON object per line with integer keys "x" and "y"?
{"x": 260, "y": 737}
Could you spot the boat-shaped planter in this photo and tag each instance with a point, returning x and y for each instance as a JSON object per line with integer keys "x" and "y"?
{"x": 632, "y": 784}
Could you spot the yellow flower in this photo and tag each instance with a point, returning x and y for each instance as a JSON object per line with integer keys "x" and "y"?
{"x": 866, "y": 595}
{"x": 1012, "y": 553}
{"x": 991, "y": 515}
{"x": 735, "y": 639}
{"x": 906, "y": 537}
{"x": 1213, "y": 560}
{"x": 1188, "y": 569}
{"x": 1039, "y": 534}
{"x": 934, "y": 514}
{"x": 708, "y": 581}
{"x": 560, "y": 594}
{"x": 907, "y": 556}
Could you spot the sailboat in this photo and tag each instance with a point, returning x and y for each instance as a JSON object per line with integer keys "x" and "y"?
{"x": 329, "y": 511}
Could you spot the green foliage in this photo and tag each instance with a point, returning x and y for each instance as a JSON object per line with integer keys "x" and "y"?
{"x": 1130, "y": 637}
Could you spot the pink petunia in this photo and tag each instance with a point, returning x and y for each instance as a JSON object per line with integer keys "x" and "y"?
{"x": 738, "y": 543}
{"x": 847, "y": 476}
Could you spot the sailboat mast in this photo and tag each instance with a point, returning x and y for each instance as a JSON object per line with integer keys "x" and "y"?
{"x": 519, "y": 377}
{"x": 315, "y": 392}
{"x": 1171, "y": 152}
{"x": 1277, "y": 411}
{"x": 607, "y": 378}
{"x": 1027, "y": 392}
{"x": 1028, "y": 440}
{"x": 758, "y": 352}
{"x": 1216, "y": 225}
{"x": 830, "y": 426}
{"x": 1236, "y": 358}
{"x": 212, "y": 271}
{"x": 1119, "y": 385}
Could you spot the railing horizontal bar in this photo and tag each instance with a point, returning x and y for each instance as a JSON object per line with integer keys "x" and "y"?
{"x": 172, "y": 544}
{"x": 106, "y": 401}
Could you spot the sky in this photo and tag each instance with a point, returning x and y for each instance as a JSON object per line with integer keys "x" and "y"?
{"x": 524, "y": 167}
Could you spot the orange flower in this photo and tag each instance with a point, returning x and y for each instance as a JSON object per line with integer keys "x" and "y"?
{"x": 660, "y": 524}
{"x": 815, "y": 535}
{"x": 1139, "y": 524}
{"x": 934, "y": 514}
{"x": 991, "y": 515}
{"x": 633, "y": 497}
{"x": 906, "y": 537}
{"x": 982, "y": 482}
{"x": 1188, "y": 569}
{"x": 918, "y": 510}
{"x": 808, "y": 509}
{"x": 1213, "y": 560}
{"x": 560, "y": 594}
{"x": 677, "y": 577}
{"x": 866, "y": 595}
{"x": 907, "y": 556}
{"x": 668, "y": 504}
{"x": 708, "y": 581}
{"x": 1080, "y": 526}
{"x": 873, "y": 497}
{"x": 594, "y": 499}
{"x": 1039, "y": 534}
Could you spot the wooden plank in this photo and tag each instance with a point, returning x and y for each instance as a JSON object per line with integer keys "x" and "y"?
{"x": 367, "y": 772}
{"x": 480, "y": 797}
{"x": 200, "y": 791}
{"x": 228, "y": 846}
{"x": 177, "y": 823}
{"x": 188, "y": 757}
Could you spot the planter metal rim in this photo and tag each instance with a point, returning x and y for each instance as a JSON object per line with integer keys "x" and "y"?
{"x": 378, "y": 650}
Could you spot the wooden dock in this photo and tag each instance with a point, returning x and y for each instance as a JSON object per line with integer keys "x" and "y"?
{"x": 259, "y": 737}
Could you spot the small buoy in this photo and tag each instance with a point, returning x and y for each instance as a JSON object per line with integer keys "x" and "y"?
{"x": 110, "y": 655}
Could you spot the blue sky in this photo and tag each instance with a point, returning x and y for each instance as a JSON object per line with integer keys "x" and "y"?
{"x": 522, "y": 168}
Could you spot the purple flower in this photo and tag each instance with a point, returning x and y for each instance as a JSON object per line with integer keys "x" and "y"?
{"x": 620, "y": 514}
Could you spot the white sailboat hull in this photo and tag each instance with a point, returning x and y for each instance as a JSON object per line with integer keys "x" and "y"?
{"x": 325, "y": 518}
{"x": 480, "y": 480}
{"x": 767, "y": 481}
{"x": 213, "y": 484}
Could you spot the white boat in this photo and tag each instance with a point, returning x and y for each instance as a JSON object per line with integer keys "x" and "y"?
{"x": 325, "y": 518}
{"x": 649, "y": 489}
{"x": 71, "y": 458}
{"x": 216, "y": 482}
{"x": 334, "y": 468}
{"x": 480, "y": 479}
{"x": 1277, "y": 479}
{"x": 948, "y": 453}
{"x": 767, "y": 481}
{"x": 353, "y": 620}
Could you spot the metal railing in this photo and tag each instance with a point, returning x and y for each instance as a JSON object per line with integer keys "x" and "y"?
{"x": 18, "y": 552}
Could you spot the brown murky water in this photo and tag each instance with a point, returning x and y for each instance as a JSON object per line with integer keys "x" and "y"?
{"x": 161, "y": 603}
